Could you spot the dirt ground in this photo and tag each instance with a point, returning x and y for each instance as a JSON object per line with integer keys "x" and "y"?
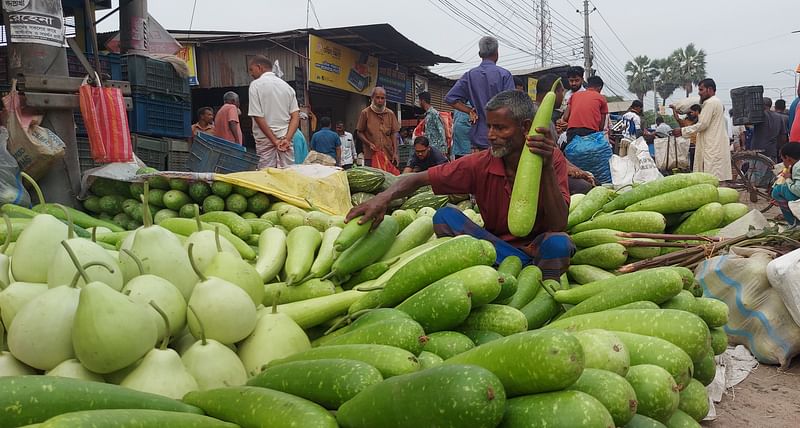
{"x": 768, "y": 398}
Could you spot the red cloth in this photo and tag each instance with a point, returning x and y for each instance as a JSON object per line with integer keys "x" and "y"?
{"x": 381, "y": 161}
{"x": 484, "y": 176}
{"x": 794, "y": 135}
{"x": 586, "y": 110}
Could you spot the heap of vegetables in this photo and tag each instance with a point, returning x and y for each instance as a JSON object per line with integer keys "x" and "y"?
{"x": 182, "y": 323}
{"x": 613, "y": 229}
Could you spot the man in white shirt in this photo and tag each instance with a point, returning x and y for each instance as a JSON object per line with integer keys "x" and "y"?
{"x": 712, "y": 152}
{"x": 633, "y": 121}
{"x": 348, "y": 146}
{"x": 661, "y": 127}
{"x": 273, "y": 107}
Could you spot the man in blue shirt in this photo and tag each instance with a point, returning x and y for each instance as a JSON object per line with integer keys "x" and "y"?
{"x": 326, "y": 141}
{"x": 478, "y": 86}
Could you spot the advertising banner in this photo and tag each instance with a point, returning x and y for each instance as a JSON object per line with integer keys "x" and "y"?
{"x": 392, "y": 77}
{"x": 35, "y": 22}
{"x": 339, "y": 67}
{"x": 187, "y": 53}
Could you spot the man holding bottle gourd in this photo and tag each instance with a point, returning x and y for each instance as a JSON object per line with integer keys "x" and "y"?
{"x": 489, "y": 175}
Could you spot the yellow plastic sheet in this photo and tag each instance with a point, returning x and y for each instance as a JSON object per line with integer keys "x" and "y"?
{"x": 324, "y": 188}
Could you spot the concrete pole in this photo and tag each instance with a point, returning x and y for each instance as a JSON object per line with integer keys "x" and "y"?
{"x": 587, "y": 42}
{"x": 62, "y": 183}
{"x": 655, "y": 98}
{"x": 133, "y": 26}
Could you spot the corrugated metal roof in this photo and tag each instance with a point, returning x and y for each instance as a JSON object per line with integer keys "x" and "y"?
{"x": 381, "y": 40}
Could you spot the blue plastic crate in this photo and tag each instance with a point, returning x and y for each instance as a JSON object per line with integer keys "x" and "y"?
{"x": 152, "y": 116}
{"x": 152, "y": 75}
{"x": 212, "y": 154}
{"x": 110, "y": 64}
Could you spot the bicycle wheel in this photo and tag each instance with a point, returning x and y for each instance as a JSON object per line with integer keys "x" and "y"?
{"x": 754, "y": 172}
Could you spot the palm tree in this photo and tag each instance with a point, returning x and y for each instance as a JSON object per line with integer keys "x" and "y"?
{"x": 690, "y": 66}
{"x": 640, "y": 81}
{"x": 666, "y": 78}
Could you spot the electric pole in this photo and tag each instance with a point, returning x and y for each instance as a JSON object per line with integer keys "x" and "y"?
{"x": 542, "y": 30}
{"x": 587, "y": 40}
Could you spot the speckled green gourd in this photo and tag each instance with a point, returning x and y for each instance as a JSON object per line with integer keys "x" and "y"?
{"x": 611, "y": 389}
{"x": 529, "y": 281}
{"x": 604, "y": 350}
{"x": 659, "y": 352}
{"x": 719, "y": 340}
{"x": 329, "y": 383}
{"x": 370, "y": 317}
{"x": 450, "y": 256}
{"x": 429, "y": 359}
{"x": 141, "y": 418}
{"x": 447, "y": 344}
{"x": 541, "y": 309}
{"x": 606, "y": 256}
{"x": 681, "y": 328}
{"x": 694, "y": 400}
{"x": 498, "y": 318}
{"x": 529, "y": 362}
{"x": 584, "y": 274}
{"x": 260, "y": 407}
{"x": 401, "y": 333}
{"x": 705, "y": 369}
{"x": 680, "y": 419}
{"x": 657, "y": 287}
{"x": 390, "y": 361}
{"x": 656, "y": 391}
{"x": 442, "y": 305}
{"x": 642, "y": 421}
{"x": 577, "y": 295}
{"x": 561, "y": 409}
{"x": 481, "y": 337}
{"x": 443, "y": 396}
{"x": 48, "y": 396}
{"x": 482, "y": 282}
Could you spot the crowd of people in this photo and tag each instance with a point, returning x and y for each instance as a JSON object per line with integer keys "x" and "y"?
{"x": 580, "y": 130}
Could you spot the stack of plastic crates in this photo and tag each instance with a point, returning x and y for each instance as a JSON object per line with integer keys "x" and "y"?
{"x": 161, "y": 98}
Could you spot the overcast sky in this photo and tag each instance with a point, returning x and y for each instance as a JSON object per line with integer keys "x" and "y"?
{"x": 746, "y": 42}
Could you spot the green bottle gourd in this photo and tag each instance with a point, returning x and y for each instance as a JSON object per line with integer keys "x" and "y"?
{"x": 525, "y": 194}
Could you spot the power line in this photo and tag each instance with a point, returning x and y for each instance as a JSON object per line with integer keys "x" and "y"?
{"x": 603, "y": 18}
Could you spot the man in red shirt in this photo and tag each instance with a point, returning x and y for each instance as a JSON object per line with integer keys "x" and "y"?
{"x": 587, "y": 146}
{"x": 226, "y": 123}
{"x": 489, "y": 175}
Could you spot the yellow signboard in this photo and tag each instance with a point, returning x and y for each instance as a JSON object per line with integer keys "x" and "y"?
{"x": 532, "y": 81}
{"x": 339, "y": 67}
{"x": 187, "y": 54}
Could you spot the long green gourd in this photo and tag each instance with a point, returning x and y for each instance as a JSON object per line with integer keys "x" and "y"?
{"x": 525, "y": 195}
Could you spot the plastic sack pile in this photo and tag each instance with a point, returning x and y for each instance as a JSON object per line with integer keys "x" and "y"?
{"x": 758, "y": 319}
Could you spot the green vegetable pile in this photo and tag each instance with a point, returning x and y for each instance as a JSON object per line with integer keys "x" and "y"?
{"x": 620, "y": 230}
{"x": 120, "y": 202}
{"x": 219, "y": 320}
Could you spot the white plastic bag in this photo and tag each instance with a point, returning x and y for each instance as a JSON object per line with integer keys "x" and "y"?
{"x": 672, "y": 153}
{"x": 635, "y": 167}
{"x": 784, "y": 275}
{"x": 682, "y": 106}
{"x": 758, "y": 317}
